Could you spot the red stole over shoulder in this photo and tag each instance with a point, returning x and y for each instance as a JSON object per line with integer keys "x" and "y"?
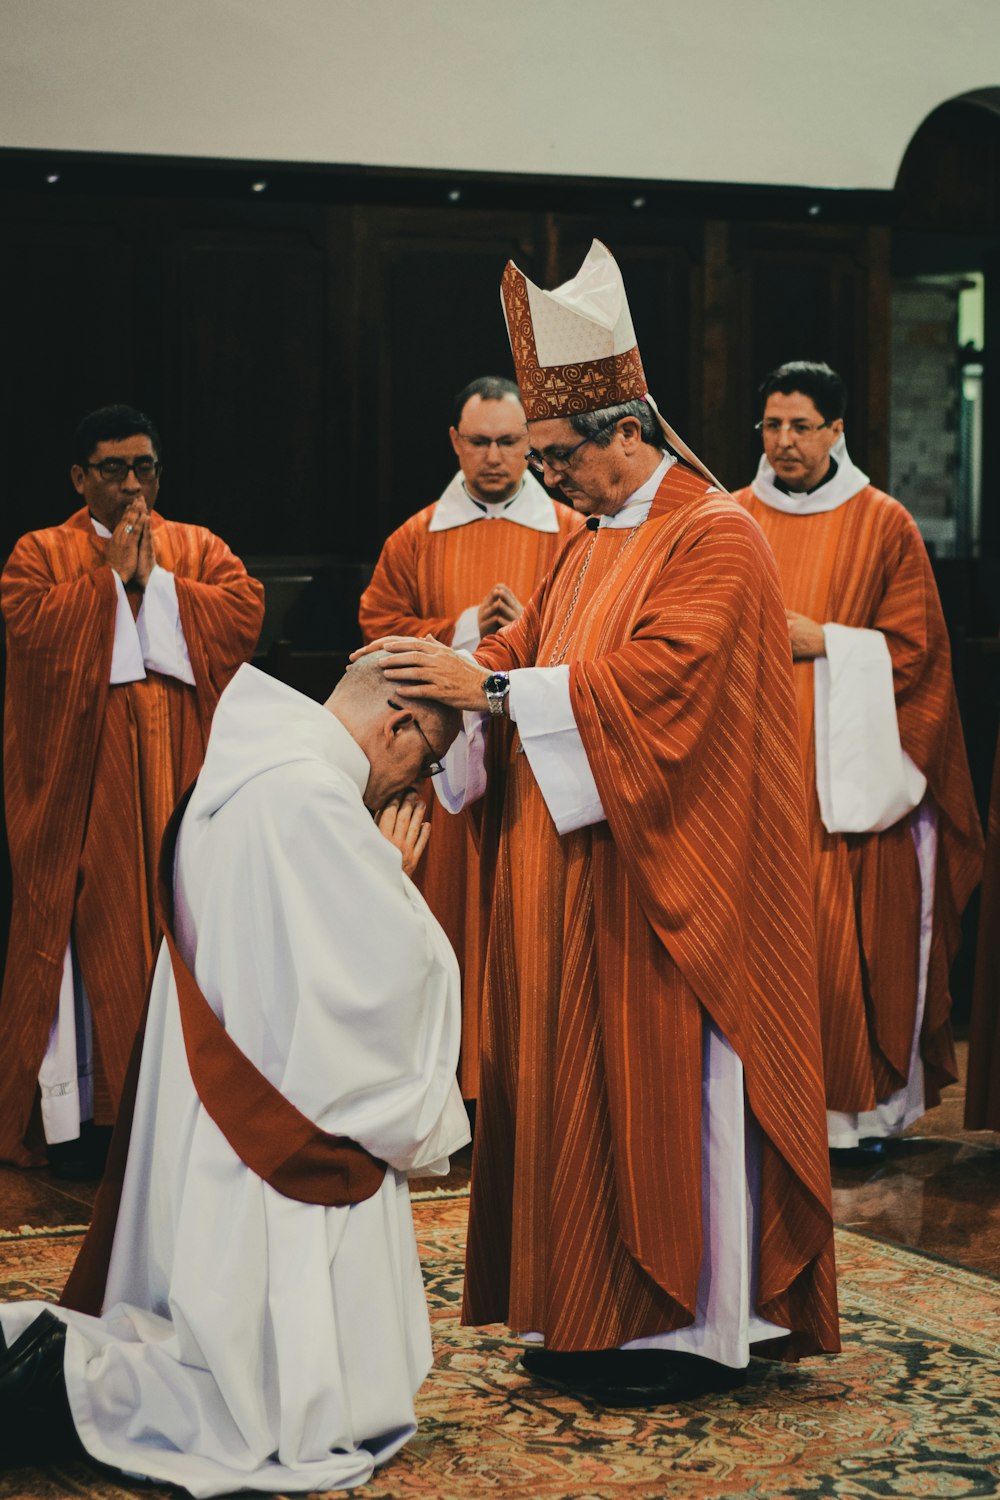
{"x": 269, "y": 1135}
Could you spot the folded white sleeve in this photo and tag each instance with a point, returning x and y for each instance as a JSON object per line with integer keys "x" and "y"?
{"x": 160, "y": 632}
{"x": 463, "y": 779}
{"x": 864, "y": 778}
{"x": 126, "y": 653}
{"x": 539, "y": 703}
{"x": 467, "y": 632}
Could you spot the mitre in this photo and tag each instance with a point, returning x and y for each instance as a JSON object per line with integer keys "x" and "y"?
{"x": 575, "y": 348}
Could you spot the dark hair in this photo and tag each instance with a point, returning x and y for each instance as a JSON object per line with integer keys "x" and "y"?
{"x": 599, "y": 425}
{"x": 487, "y": 388}
{"x": 107, "y": 424}
{"x": 822, "y": 385}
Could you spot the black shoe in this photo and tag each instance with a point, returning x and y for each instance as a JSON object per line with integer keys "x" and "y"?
{"x": 35, "y": 1421}
{"x": 870, "y": 1151}
{"x": 84, "y": 1159}
{"x": 690, "y": 1378}
{"x": 631, "y": 1377}
{"x": 576, "y": 1370}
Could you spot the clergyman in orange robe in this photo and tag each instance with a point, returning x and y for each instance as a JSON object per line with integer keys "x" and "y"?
{"x": 650, "y": 1182}
{"x": 895, "y": 837}
{"x": 446, "y": 572}
{"x": 122, "y": 630}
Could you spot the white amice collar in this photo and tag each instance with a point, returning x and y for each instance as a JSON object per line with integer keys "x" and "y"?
{"x": 530, "y": 507}
{"x": 638, "y": 505}
{"x": 847, "y": 482}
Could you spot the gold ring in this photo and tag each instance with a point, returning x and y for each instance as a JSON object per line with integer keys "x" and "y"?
{"x": 128, "y": 530}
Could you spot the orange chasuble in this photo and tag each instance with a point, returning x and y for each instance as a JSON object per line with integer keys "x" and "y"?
{"x": 982, "y": 1092}
{"x": 91, "y": 776}
{"x": 423, "y": 581}
{"x": 864, "y": 565}
{"x": 611, "y": 945}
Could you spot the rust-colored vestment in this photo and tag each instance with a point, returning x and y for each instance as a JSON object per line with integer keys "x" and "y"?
{"x": 611, "y": 946}
{"x": 982, "y": 1094}
{"x": 864, "y": 565}
{"x": 91, "y": 776}
{"x": 423, "y": 581}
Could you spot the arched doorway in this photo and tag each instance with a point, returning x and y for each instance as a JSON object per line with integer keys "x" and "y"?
{"x": 946, "y": 324}
{"x": 945, "y": 401}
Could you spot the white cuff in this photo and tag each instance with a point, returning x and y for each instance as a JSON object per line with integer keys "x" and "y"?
{"x": 539, "y": 703}
{"x": 864, "y": 779}
{"x": 126, "y": 655}
{"x": 161, "y": 635}
{"x": 463, "y": 779}
{"x": 432, "y": 1158}
{"x": 467, "y": 633}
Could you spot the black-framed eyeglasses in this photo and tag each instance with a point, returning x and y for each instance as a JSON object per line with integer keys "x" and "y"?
{"x": 560, "y": 461}
{"x": 483, "y": 444}
{"x": 799, "y": 428}
{"x": 432, "y": 767}
{"x": 116, "y": 470}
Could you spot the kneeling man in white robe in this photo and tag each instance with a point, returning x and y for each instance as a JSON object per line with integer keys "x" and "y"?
{"x": 253, "y": 1336}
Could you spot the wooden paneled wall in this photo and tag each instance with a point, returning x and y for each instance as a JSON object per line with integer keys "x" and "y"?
{"x": 300, "y": 357}
{"x": 299, "y": 347}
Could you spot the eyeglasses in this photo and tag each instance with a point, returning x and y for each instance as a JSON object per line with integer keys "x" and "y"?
{"x": 479, "y": 441}
{"x": 560, "y": 461}
{"x": 432, "y": 767}
{"x": 116, "y": 470}
{"x": 798, "y": 428}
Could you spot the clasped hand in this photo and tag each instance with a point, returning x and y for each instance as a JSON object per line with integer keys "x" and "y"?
{"x": 806, "y": 637}
{"x": 401, "y": 821}
{"x": 130, "y": 551}
{"x": 500, "y": 607}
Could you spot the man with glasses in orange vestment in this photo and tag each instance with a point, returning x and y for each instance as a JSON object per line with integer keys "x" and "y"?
{"x": 445, "y": 573}
{"x": 122, "y": 630}
{"x": 895, "y": 838}
{"x": 650, "y": 1184}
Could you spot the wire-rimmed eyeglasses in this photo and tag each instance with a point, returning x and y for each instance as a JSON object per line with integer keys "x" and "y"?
{"x": 432, "y": 767}
{"x": 560, "y": 461}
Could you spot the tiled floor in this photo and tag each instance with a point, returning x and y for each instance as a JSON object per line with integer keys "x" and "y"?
{"x": 939, "y": 1190}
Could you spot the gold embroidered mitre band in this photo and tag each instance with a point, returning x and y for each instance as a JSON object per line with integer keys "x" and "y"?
{"x": 574, "y": 348}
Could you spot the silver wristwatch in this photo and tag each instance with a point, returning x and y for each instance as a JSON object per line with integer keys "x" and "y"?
{"x": 496, "y": 687}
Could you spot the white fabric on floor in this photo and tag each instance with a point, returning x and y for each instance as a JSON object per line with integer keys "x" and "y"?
{"x": 250, "y": 1341}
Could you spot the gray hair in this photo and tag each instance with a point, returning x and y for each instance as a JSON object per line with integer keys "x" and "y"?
{"x": 599, "y": 425}
{"x": 365, "y": 684}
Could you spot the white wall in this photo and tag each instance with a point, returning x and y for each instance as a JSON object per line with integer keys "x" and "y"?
{"x": 767, "y": 91}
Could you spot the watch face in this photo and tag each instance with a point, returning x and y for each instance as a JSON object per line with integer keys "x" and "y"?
{"x": 497, "y": 682}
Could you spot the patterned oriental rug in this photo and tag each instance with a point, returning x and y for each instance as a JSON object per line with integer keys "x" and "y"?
{"x": 911, "y": 1408}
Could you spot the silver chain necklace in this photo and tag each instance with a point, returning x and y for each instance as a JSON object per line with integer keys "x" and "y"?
{"x": 559, "y": 650}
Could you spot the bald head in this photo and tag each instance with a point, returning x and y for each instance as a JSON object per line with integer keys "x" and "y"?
{"x": 365, "y": 689}
{"x": 400, "y": 736}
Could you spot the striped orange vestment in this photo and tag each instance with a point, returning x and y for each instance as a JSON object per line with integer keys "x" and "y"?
{"x": 91, "y": 775}
{"x": 422, "y": 583}
{"x": 865, "y": 565}
{"x": 609, "y": 947}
